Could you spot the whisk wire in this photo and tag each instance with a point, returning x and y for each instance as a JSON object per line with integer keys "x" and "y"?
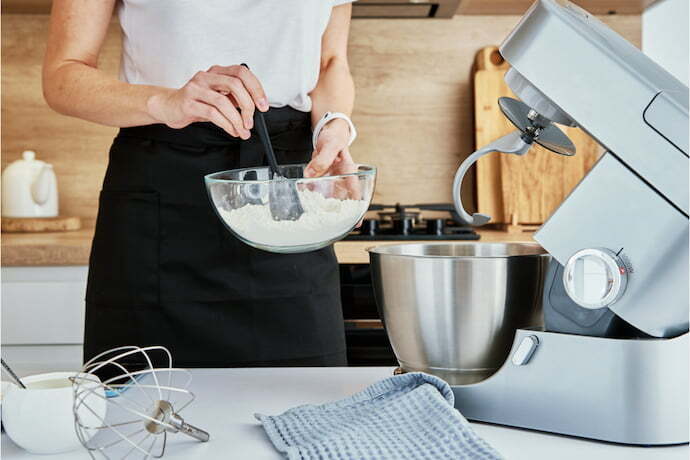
{"x": 131, "y": 350}
{"x": 104, "y": 422}
{"x": 122, "y": 436}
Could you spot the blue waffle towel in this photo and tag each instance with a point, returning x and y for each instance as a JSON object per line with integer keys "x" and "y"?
{"x": 408, "y": 416}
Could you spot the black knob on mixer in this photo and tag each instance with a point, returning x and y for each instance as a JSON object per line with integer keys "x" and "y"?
{"x": 435, "y": 226}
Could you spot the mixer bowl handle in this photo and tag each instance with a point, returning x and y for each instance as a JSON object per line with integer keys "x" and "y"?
{"x": 515, "y": 143}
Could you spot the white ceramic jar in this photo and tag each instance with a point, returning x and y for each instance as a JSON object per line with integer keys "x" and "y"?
{"x": 29, "y": 188}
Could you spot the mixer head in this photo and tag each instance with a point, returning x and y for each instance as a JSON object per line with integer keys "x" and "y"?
{"x": 535, "y": 127}
{"x": 128, "y": 399}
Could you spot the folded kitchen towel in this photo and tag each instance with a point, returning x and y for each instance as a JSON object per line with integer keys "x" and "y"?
{"x": 408, "y": 416}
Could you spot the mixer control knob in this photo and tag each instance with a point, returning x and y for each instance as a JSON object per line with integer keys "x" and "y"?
{"x": 595, "y": 278}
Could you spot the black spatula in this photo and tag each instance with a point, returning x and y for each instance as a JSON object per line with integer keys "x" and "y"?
{"x": 283, "y": 199}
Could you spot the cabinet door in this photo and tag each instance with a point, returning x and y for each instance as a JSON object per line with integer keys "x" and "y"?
{"x": 37, "y": 359}
{"x": 43, "y": 305}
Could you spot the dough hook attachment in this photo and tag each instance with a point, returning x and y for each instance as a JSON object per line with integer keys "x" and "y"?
{"x": 532, "y": 127}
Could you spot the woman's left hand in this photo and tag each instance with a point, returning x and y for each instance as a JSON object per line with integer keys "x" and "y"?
{"x": 331, "y": 155}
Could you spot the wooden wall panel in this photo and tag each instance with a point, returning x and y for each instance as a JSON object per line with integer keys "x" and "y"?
{"x": 413, "y": 111}
{"x": 77, "y": 149}
{"x": 414, "y": 108}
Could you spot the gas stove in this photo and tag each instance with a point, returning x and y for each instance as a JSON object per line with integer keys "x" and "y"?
{"x": 405, "y": 222}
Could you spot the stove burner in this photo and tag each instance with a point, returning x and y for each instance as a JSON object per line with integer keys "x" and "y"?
{"x": 435, "y": 226}
{"x": 405, "y": 222}
{"x": 403, "y": 225}
{"x": 369, "y": 227}
{"x": 398, "y": 215}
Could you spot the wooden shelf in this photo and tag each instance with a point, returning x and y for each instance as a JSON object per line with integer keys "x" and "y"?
{"x": 488, "y": 7}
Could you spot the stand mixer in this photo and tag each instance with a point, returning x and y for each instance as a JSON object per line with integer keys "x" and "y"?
{"x": 611, "y": 362}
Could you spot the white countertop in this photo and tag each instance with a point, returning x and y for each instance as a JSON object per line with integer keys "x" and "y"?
{"x": 228, "y": 398}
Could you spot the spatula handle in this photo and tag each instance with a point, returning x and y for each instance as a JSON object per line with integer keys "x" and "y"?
{"x": 262, "y": 130}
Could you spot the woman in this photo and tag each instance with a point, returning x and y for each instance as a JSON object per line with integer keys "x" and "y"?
{"x": 163, "y": 270}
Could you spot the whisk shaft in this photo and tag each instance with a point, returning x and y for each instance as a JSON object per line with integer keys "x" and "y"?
{"x": 190, "y": 430}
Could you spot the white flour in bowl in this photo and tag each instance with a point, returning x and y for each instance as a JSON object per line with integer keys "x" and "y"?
{"x": 323, "y": 219}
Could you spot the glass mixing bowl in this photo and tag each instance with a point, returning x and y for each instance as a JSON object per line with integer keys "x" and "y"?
{"x": 332, "y": 205}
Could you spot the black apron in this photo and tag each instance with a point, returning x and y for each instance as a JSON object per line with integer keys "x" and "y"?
{"x": 165, "y": 271}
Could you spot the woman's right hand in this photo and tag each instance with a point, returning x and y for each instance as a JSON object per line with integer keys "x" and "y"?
{"x": 215, "y": 96}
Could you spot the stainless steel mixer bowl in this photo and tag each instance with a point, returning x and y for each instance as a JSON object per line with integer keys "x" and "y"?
{"x": 451, "y": 309}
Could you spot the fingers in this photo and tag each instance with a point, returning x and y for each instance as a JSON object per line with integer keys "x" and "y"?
{"x": 233, "y": 92}
{"x": 322, "y": 159}
{"x": 347, "y": 187}
{"x": 223, "y": 106}
{"x": 346, "y": 165}
{"x": 205, "y": 112}
{"x": 231, "y": 87}
{"x": 249, "y": 81}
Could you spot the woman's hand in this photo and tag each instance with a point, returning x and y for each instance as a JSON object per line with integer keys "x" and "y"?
{"x": 215, "y": 96}
{"x": 331, "y": 155}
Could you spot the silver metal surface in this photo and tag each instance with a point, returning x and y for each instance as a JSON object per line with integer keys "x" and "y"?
{"x": 512, "y": 143}
{"x": 618, "y": 390}
{"x": 604, "y": 84}
{"x": 635, "y": 203}
{"x": 635, "y": 200}
{"x": 537, "y": 127}
{"x": 532, "y": 127}
{"x": 613, "y": 208}
{"x": 451, "y": 309}
{"x": 164, "y": 418}
{"x": 143, "y": 399}
{"x": 534, "y": 98}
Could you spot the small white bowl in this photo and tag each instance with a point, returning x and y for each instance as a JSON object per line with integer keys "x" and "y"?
{"x": 40, "y": 418}
{"x": 3, "y": 391}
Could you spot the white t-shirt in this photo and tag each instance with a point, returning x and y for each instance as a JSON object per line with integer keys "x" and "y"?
{"x": 165, "y": 42}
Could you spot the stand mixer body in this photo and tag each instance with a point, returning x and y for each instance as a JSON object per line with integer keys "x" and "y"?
{"x": 619, "y": 244}
{"x": 634, "y": 202}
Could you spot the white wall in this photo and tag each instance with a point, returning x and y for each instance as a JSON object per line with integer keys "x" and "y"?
{"x": 665, "y": 36}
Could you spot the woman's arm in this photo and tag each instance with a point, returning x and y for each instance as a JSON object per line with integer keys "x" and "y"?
{"x": 334, "y": 92}
{"x": 74, "y": 85}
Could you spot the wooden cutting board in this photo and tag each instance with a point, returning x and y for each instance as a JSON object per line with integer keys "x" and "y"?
{"x": 43, "y": 224}
{"x": 526, "y": 189}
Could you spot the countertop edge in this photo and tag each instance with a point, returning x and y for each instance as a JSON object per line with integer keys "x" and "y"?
{"x": 74, "y": 248}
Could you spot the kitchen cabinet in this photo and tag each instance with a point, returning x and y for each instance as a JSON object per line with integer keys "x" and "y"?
{"x": 43, "y": 316}
{"x": 228, "y": 398}
{"x": 466, "y": 6}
